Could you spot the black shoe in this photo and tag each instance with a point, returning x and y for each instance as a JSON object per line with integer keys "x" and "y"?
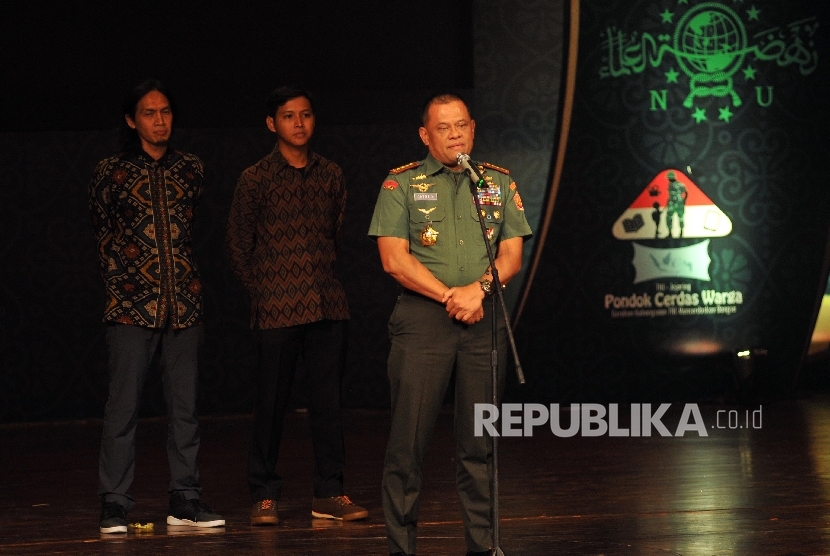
{"x": 483, "y": 553}
{"x": 192, "y": 512}
{"x": 113, "y": 518}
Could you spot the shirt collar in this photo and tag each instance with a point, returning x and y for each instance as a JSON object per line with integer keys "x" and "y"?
{"x": 146, "y": 158}
{"x": 282, "y": 163}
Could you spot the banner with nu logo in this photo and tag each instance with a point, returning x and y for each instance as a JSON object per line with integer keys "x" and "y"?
{"x": 689, "y": 211}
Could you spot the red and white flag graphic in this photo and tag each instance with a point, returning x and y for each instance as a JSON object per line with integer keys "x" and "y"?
{"x": 672, "y": 205}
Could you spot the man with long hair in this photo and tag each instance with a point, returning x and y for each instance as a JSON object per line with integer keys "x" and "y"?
{"x": 142, "y": 201}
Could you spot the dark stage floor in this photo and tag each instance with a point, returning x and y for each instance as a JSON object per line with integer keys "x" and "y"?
{"x": 742, "y": 491}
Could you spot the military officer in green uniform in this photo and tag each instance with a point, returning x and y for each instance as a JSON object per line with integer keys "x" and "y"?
{"x": 429, "y": 237}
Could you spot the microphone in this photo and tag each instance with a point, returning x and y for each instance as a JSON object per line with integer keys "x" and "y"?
{"x": 464, "y": 160}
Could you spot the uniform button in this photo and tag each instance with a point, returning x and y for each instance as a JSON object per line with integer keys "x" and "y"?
{"x": 460, "y": 242}
{"x": 459, "y": 217}
{"x": 461, "y": 269}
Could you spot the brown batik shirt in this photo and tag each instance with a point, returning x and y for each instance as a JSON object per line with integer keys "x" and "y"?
{"x": 142, "y": 214}
{"x": 283, "y": 231}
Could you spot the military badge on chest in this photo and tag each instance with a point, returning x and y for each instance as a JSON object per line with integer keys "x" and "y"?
{"x": 429, "y": 235}
{"x": 420, "y": 183}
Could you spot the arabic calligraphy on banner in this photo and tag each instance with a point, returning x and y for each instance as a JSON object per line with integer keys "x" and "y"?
{"x": 711, "y": 44}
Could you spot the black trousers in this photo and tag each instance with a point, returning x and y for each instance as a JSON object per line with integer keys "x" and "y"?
{"x": 322, "y": 345}
{"x": 131, "y": 351}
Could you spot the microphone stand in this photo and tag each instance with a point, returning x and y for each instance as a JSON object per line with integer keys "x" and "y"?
{"x": 477, "y": 182}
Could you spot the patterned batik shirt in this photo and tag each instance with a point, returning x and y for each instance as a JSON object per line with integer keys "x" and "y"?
{"x": 282, "y": 239}
{"x": 142, "y": 214}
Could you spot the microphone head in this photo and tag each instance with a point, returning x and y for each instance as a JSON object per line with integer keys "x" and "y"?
{"x": 461, "y": 158}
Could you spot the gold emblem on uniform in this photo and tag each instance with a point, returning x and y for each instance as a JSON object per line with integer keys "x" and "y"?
{"x": 429, "y": 235}
{"x": 420, "y": 177}
{"x": 496, "y": 215}
{"x": 422, "y": 187}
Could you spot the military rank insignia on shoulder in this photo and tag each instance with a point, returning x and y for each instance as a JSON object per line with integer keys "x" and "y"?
{"x": 404, "y": 168}
{"x": 496, "y": 168}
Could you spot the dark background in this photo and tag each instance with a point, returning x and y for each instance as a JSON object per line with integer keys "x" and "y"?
{"x": 65, "y": 69}
{"x": 66, "y": 66}
{"x": 369, "y": 65}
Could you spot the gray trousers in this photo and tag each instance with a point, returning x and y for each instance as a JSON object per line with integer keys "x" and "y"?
{"x": 131, "y": 350}
{"x": 426, "y": 346}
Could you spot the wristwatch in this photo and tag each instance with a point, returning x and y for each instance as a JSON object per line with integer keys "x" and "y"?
{"x": 486, "y": 287}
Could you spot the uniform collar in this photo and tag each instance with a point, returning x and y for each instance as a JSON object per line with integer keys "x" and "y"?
{"x": 432, "y": 166}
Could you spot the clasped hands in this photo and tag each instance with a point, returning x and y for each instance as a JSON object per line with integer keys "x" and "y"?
{"x": 464, "y": 303}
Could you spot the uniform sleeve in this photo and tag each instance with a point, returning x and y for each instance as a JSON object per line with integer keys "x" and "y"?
{"x": 391, "y": 216}
{"x": 515, "y": 221}
{"x": 241, "y": 237}
{"x": 99, "y": 205}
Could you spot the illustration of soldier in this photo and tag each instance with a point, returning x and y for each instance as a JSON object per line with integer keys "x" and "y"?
{"x": 676, "y": 204}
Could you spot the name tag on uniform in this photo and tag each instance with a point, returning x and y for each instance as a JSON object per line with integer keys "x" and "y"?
{"x": 426, "y": 196}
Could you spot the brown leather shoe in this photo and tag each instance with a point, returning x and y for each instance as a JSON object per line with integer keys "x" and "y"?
{"x": 264, "y": 512}
{"x": 337, "y": 507}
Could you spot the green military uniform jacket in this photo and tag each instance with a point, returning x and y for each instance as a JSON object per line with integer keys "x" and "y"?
{"x": 433, "y": 208}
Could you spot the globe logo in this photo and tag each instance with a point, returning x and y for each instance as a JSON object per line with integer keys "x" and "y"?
{"x": 714, "y": 51}
{"x": 710, "y": 44}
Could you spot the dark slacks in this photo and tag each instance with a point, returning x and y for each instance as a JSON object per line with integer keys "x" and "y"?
{"x": 322, "y": 345}
{"x": 426, "y": 345}
{"x": 131, "y": 350}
